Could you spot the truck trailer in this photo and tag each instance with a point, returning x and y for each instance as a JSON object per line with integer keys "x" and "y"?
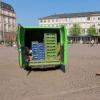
{"x": 42, "y": 46}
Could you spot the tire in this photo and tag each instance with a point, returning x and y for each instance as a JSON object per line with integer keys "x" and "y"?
{"x": 63, "y": 68}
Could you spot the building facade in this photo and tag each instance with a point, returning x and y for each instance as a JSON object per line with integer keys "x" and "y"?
{"x": 85, "y": 20}
{"x": 7, "y": 22}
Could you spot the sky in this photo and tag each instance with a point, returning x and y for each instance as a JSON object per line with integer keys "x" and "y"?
{"x": 28, "y": 11}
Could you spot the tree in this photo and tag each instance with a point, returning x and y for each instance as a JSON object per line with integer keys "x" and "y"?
{"x": 92, "y": 31}
{"x": 75, "y": 30}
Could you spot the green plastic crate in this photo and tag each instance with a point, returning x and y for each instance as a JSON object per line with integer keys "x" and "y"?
{"x": 50, "y": 40}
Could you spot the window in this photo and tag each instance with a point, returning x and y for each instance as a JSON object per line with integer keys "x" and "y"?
{"x": 44, "y": 21}
{"x": 4, "y": 19}
{"x": 98, "y": 18}
{"x": 9, "y": 27}
{"x": 48, "y": 20}
{"x": 98, "y": 24}
{"x": 52, "y": 20}
{"x": 8, "y": 20}
{"x": 56, "y": 20}
{"x": 88, "y": 18}
{"x": 66, "y": 19}
{"x": 40, "y": 21}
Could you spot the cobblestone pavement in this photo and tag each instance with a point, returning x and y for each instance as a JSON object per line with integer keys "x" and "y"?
{"x": 78, "y": 83}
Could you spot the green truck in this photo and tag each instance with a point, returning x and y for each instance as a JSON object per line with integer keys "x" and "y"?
{"x": 42, "y": 46}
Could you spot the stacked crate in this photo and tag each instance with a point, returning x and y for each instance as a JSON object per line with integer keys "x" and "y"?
{"x": 50, "y": 41}
{"x": 38, "y": 51}
{"x": 41, "y": 51}
{"x": 35, "y": 54}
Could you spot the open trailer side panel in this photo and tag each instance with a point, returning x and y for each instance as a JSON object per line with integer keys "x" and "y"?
{"x": 63, "y": 43}
{"x": 21, "y": 32}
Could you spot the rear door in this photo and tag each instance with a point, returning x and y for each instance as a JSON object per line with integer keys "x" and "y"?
{"x": 63, "y": 41}
{"x": 21, "y": 32}
{"x": 21, "y": 43}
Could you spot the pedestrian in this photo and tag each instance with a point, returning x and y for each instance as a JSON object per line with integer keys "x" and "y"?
{"x": 92, "y": 43}
{"x": 71, "y": 41}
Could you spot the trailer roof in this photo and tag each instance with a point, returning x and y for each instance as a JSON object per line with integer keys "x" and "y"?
{"x": 47, "y": 27}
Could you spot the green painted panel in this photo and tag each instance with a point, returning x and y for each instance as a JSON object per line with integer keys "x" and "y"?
{"x": 63, "y": 40}
{"x": 43, "y": 27}
{"x": 21, "y": 32}
{"x": 65, "y": 46}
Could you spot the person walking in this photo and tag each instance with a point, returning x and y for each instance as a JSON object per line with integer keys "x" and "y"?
{"x": 92, "y": 43}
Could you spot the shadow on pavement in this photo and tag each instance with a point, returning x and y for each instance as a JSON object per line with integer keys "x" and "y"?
{"x": 29, "y": 69}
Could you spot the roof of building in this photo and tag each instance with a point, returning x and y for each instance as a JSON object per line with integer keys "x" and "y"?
{"x": 72, "y": 15}
{"x": 6, "y": 6}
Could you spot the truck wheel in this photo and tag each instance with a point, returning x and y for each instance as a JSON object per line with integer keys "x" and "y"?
{"x": 27, "y": 68}
{"x": 63, "y": 68}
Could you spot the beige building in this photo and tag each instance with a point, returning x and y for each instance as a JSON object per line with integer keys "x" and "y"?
{"x": 85, "y": 20}
{"x": 7, "y": 22}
